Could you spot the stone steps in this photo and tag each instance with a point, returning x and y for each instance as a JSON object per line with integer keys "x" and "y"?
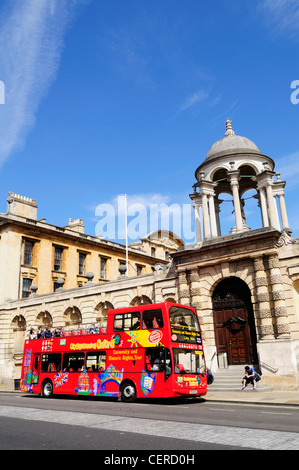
{"x": 230, "y": 380}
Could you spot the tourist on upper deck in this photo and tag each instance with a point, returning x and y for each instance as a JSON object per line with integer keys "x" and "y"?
{"x": 93, "y": 329}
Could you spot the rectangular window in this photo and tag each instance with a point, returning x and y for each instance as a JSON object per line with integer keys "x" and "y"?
{"x": 184, "y": 326}
{"x": 57, "y": 258}
{"x": 51, "y": 363}
{"x": 139, "y": 270}
{"x": 82, "y": 259}
{"x": 103, "y": 272}
{"x": 55, "y": 286}
{"x": 73, "y": 362}
{"x": 28, "y": 252}
{"x": 152, "y": 319}
{"x": 127, "y": 321}
{"x": 96, "y": 361}
{"x": 26, "y": 287}
{"x": 154, "y": 359}
{"x": 188, "y": 361}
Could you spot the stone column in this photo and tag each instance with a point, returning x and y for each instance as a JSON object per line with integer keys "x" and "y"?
{"x": 265, "y": 187}
{"x": 184, "y": 294}
{"x": 195, "y": 291}
{"x": 263, "y": 299}
{"x": 196, "y": 205}
{"x": 264, "y": 209}
{"x": 283, "y": 211}
{"x": 217, "y": 211}
{"x": 278, "y": 297}
{"x": 273, "y": 214}
{"x": 278, "y": 190}
{"x": 233, "y": 177}
{"x": 205, "y": 216}
{"x": 213, "y": 216}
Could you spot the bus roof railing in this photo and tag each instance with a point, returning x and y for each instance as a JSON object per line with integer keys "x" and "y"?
{"x": 69, "y": 330}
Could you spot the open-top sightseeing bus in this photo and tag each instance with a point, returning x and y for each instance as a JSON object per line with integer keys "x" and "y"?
{"x": 145, "y": 351}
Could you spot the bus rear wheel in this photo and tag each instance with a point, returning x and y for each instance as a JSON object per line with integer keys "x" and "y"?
{"x": 128, "y": 392}
{"x": 47, "y": 389}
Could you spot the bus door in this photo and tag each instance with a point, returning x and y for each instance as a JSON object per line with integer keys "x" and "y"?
{"x": 36, "y": 369}
{"x": 158, "y": 364}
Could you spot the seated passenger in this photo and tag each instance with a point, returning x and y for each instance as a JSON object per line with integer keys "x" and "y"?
{"x": 93, "y": 329}
{"x": 181, "y": 368}
{"x": 32, "y": 334}
{"x": 183, "y": 322}
{"x": 136, "y": 325}
{"x": 40, "y": 333}
{"x": 58, "y": 331}
{"x": 48, "y": 332}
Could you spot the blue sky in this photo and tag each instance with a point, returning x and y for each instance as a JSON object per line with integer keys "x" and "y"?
{"x": 104, "y": 98}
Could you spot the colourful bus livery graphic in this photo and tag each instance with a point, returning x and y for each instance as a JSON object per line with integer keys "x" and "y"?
{"x": 148, "y": 382}
{"x": 145, "y": 351}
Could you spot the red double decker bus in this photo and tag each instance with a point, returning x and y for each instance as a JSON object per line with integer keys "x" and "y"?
{"x": 145, "y": 351}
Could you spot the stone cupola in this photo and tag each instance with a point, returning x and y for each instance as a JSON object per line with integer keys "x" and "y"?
{"x": 233, "y": 165}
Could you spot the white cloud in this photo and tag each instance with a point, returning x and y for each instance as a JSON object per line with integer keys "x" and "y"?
{"x": 288, "y": 167}
{"x": 129, "y": 55}
{"x": 283, "y": 15}
{"x": 190, "y": 103}
{"x": 31, "y": 43}
{"x": 194, "y": 99}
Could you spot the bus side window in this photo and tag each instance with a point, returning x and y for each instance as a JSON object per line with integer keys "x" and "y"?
{"x": 73, "y": 362}
{"x": 51, "y": 363}
{"x": 152, "y": 319}
{"x": 154, "y": 359}
{"x": 127, "y": 321}
{"x": 96, "y": 361}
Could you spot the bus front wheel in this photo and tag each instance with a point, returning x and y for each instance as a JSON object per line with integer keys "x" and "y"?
{"x": 128, "y": 392}
{"x": 47, "y": 389}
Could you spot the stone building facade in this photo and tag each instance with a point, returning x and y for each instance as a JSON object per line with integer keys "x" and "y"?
{"x": 244, "y": 285}
{"x": 73, "y": 308}
{"x": 34, "y": 252}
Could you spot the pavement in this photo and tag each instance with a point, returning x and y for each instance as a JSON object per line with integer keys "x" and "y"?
{"x": 247, "y": 396}
{"x": 250, "y": 396}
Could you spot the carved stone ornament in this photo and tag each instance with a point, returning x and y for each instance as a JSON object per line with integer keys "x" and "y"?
{"x": 266, "y": 330}
{"x": 286, "y": 238}
{"x": 234, "y": 323}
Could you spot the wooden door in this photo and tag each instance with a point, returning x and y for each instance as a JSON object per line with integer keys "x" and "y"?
{"x": 237, "y": 351}
{"x": 232, "y": 330}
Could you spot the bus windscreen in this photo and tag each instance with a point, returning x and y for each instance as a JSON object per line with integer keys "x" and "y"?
{"x": 184, "y": 326}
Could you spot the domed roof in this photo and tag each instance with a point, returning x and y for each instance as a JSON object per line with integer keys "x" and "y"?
{"x": 231, "y": 143}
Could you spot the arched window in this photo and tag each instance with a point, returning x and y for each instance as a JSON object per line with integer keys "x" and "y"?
{"x": 101, "y": 311}
{"x": 140, "y": 300}
{"x": 72, "y": 316}
{"x": 44, "y": 319}
{"x": 19, "y": 332}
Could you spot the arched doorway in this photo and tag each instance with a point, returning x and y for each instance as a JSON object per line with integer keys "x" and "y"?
{"x": 234, "y": 322}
